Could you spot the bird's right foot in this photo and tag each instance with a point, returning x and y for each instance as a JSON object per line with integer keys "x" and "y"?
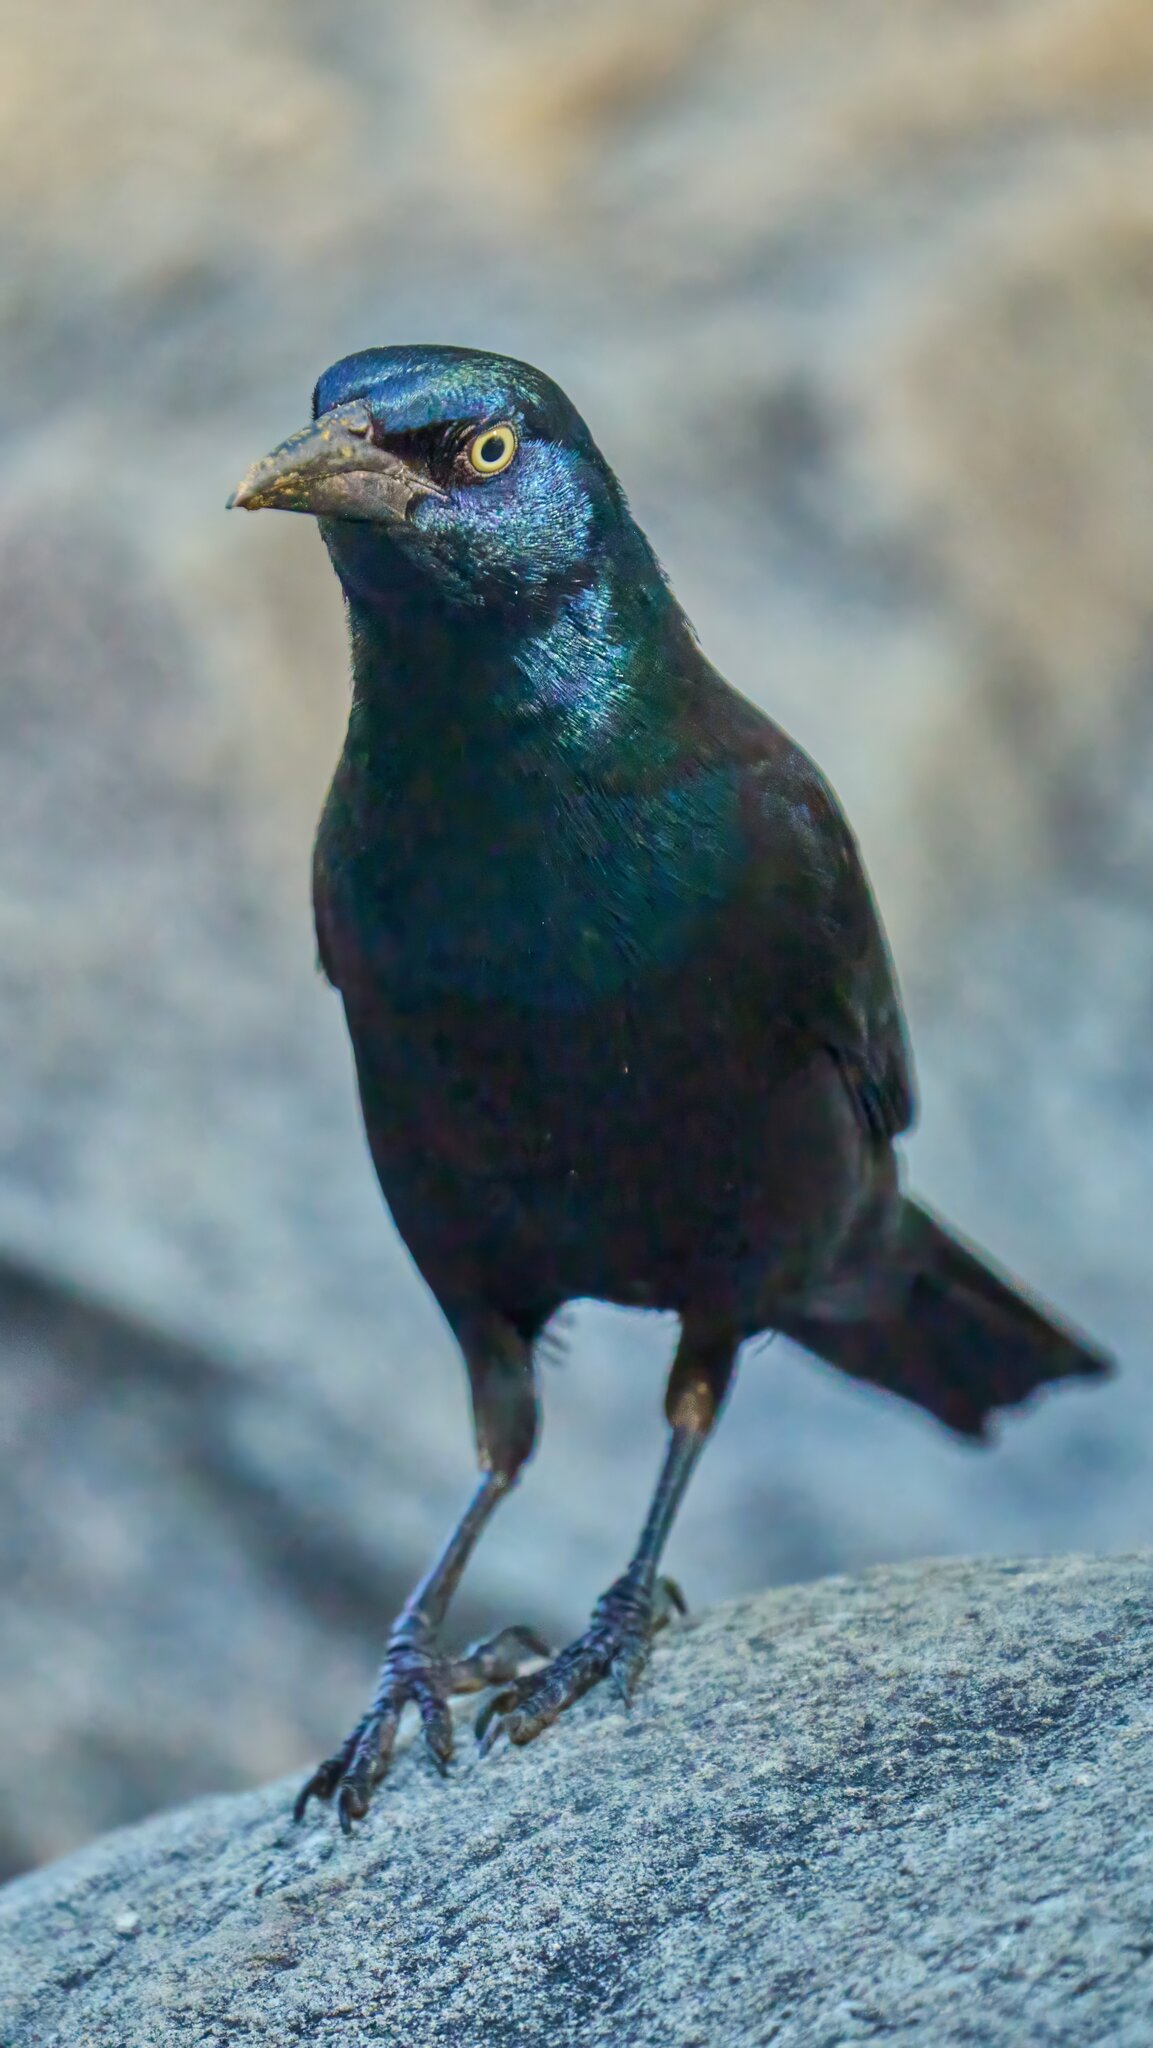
{"x": 615, "y": 1645}
{"x": 413, "y": 1670}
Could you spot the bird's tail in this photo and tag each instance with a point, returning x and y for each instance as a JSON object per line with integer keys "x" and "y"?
{"x": 956, "y": 1337}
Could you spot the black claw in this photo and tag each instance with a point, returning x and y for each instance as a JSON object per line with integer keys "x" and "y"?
{"x": 487, "y": 1741}
{"x": 355, "y": 1793}
{"x": 439, "y": 1746}
{"x": 326, "y": 1777}
{"x": 346, "y": 1810}
{"x": 309, "y": 1791}
{"x": 497, "y": 1703}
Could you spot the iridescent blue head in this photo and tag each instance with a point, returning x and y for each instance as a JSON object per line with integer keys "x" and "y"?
{"x": 472, "y": 473}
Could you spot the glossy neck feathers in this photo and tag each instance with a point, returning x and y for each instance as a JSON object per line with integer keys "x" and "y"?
{"x": 582, "y": 667}
{"x": 519, "y": 787}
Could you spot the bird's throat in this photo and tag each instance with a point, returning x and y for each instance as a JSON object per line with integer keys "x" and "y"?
{"x": 510, "y": 811}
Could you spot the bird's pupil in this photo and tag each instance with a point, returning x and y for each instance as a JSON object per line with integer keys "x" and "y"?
{"x": 492, "y": 449}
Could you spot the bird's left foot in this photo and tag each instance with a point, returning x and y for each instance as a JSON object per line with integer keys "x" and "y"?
{"x": 615, "y": 1645}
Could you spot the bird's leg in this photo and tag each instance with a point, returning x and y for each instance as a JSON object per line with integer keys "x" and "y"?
{"x": 499, "y": 1362}
{"x": 616, "y": 1642}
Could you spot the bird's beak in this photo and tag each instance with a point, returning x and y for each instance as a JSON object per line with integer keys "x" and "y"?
{"x": 334, "y": 469}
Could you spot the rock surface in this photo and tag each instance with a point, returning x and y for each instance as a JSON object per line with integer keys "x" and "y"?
{"x": 912, "y": 1808}
{"x": 858, "y": 297}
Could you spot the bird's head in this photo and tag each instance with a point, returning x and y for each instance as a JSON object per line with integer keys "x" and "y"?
{"x": 473, "y": 470}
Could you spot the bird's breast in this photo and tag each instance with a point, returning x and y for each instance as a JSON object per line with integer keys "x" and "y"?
{"x": 557, "y": 901}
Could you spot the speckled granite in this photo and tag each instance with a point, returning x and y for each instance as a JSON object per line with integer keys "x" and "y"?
{"x": 910, "y": 1808}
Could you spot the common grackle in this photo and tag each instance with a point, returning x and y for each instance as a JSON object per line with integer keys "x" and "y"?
{"x": 624, "y": 1018}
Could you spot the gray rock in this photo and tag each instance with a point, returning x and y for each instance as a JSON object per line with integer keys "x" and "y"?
{"x": 913, "y": 1808}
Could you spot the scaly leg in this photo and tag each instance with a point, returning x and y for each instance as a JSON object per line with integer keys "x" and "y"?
{"x": 499, "y": 1361}
{"x": 616, "y": 1642}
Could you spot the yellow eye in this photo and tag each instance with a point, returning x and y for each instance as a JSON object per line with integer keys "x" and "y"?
{"x": 492, "y": 450}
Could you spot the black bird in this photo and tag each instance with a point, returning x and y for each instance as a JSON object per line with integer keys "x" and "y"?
{"x": 624, "y": 1019}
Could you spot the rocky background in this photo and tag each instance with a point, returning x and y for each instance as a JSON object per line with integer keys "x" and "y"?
{"x": 858, "y": 298}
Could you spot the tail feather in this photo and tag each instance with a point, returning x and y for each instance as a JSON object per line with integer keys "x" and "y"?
{"x": 959, "y": 1339}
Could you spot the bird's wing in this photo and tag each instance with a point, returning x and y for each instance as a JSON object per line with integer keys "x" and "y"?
{"x": 325, "y": 956}
{"x": 807, "y": 937}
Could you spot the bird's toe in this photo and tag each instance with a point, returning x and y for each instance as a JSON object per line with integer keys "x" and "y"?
{"x": 498, "y": 1660}
{"x": 413, "y": 1673}
{"x": 615, "y": 1644}
{"x": 436, "y": 1722}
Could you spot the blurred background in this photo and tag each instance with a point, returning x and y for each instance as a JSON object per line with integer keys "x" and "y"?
{"x": 858, "y": 298}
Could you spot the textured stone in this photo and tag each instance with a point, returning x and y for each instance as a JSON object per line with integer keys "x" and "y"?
{"x": 910, "y": 1808}
{"x": 857, "y": 297}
